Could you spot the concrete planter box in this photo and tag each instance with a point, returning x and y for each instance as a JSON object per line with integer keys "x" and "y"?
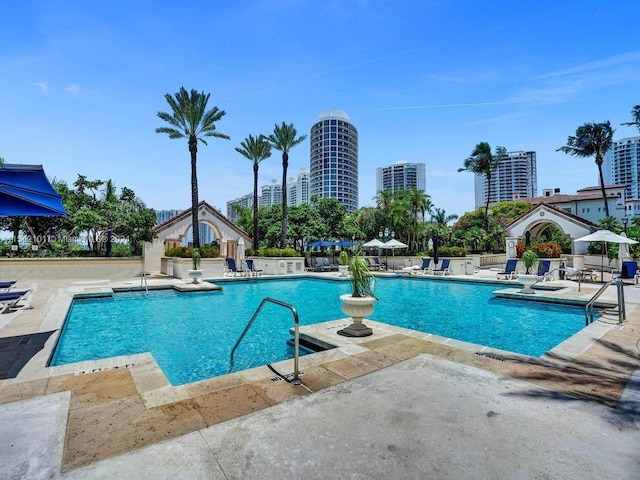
{"x": 279, "y": 265}
{"x": 211, "y": 267}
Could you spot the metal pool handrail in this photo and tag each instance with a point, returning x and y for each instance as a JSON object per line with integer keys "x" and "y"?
{"x": 296, "y": 336}
{"x": 622, "y": 311}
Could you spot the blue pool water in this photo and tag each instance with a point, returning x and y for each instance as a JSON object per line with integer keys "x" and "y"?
{"x": 191, "y": 334}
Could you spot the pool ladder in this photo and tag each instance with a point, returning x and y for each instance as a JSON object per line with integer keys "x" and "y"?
{"x": 296, "y": 338}
{"x": 622, "y": 311}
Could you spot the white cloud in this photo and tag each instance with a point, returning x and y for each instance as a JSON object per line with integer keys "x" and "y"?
{"x": 72, "y": 88}
{"x": 44, "y": 88}
{"x": 596, "y": 65}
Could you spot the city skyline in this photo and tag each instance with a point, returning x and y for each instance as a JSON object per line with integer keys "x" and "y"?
{"x": 423, "y": 82}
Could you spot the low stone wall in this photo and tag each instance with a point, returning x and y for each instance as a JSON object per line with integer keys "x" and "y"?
{"x": 72, "y": 268}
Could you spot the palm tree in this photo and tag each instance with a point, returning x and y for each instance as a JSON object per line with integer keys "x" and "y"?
{"x": 189, "y": 118}
{"x": 592, "y": 139}
{"x": 440, "y": 216}
{"x": 483, "y": 162}
{"x": 256, "y": 150}
{"x": 284, "y": 139}
{"x": 635, "y": 114}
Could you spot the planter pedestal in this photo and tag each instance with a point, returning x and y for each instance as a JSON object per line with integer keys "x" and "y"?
{"x": 195, "y": 274}
{"x": 343, "y": 269}
{"x": 527, "y": 280}
{"x": 357, "y": 308}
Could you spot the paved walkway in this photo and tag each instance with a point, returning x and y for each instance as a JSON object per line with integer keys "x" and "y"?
{"x": 393, "y": 406}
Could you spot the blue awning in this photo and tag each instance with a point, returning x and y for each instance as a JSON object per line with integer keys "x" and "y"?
{"x": 25, "y": 190}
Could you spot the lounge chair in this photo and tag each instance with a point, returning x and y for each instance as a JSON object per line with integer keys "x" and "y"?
{"x": 444, "y": 268}
{"x": 4, "y": 286}
{"x": 251, "y": 267}
{"x": 379, "y": 264}
{"x": 424, "y": 268}
{"x": 370, "y": 266}
{"x": 543, "y": 270}
{"x": 330, "y": 266}
{"x": 231, "y": 268}
{"x": 509, "y": 269}
{"x": 11, "y": 300}
{"x": 629, "y": 270}
{"x": 320, "y": 266}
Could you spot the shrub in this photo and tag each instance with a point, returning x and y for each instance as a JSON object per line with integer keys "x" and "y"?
{"x": 547, "y": 250}
{"x": 451, "y": 252}
{"x": 187, "y": 252}
{"x": 520, "y": 249}
{"x": 530, "y": 260}
{"x": 278, "y": 252}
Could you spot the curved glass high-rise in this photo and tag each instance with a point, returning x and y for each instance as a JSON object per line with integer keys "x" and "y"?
{"x": 334, "y": 159}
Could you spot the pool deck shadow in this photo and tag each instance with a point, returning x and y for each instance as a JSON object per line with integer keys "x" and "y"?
{"x": 119, "y": 407}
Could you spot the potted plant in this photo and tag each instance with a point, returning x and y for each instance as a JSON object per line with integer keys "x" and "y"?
{"x": 343, "y": 260}
{"x": 358, "y": 303}
{"x": 529, "y": 259}
{"x": 196, "y": 273}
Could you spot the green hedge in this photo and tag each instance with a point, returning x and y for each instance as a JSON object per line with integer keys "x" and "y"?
{"x": 447, "y": 252}
{"x": 547, "y": 250}
{"x": 279, "y": 252}
{"x": 187, "y": 252}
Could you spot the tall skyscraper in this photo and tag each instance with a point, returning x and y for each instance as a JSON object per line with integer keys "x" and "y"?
{"x": 401, "y": 176}
{"x": 334, "y": 159}
{"x": 621, "y": 166}
{"x": 164, "y": 215}
{"x": 515, "y": 177}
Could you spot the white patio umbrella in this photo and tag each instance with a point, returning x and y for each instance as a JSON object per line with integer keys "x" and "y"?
{"x": 392, "y": 245}
{"x": 241, "y": 248}
{"x": 607, "y": 237}
{"x": 623, "y": 251}
{"x": 375, "y": 243}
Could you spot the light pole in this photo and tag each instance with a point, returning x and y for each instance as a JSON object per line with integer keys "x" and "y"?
{"x": 450, "y": 233}
{"x": 384, "y": 237}
{"x": 625, "y": 220}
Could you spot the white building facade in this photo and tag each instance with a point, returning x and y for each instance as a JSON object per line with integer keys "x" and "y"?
{"x": 245, "y": 201}
{"x": 515, "y": 178}
{"x": 299, "y": 188}
{"x": 401, "y": 176}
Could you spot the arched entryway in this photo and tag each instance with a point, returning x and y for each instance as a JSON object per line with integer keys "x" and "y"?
{"x": 172, "y": 232}
{"x": 534, "y": 222}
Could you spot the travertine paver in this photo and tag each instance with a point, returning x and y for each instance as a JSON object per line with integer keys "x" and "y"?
{"x": 115, "y": 411}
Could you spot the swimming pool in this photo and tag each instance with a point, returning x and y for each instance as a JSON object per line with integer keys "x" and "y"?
{"x": 191, "y": 334}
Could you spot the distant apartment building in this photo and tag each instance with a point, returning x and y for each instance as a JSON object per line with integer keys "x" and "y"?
{"x": 206, "y": 234}
{"x": 401, "y": 176}
{"x": 271, "y": 194}
{"x": 298, "y": 189}
{"x": 621, "y": 166}
{"x": 515, "y": 178}
{"x": 334, "y": 159}
{"x": 245, "y": 201}
{"x": 164, "y": 215}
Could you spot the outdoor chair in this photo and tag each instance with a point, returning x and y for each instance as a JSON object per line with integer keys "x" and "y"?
{"x": 11, "y": 300}
{"x": 509, "y": 269}
{"x": 5, "y": 286}
{"x": 543, "y": 270}
{"x": 629, "y": 270}
{"x": 379, "y": 264}
{"x": 232, "y": 270}
{"x": 330, "y": 266}
{"x": 370, "y": 265}
{"x": 251, "y": 267}
{"x": 320, "y": 266}
{"x": 424, "y": 268}
{"x": 444, "y": 268}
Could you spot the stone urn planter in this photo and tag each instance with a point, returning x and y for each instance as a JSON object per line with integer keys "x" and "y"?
{"x": 343, "y": 269}
{"x": 359, "y": 303}
{"x": 196, "y": 275}
{"x": 527, "y": 280}
{"x": 357, "y": 308}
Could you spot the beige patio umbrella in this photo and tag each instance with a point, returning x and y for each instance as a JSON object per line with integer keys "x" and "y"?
{"x": 392, "y": 245}
{"x": 605, "y": 236}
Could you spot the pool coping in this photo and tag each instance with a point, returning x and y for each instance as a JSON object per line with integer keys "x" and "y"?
{"x": 156, "y": 390}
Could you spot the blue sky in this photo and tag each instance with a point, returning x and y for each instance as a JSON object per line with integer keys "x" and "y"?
{"x": 423, "y": 81}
